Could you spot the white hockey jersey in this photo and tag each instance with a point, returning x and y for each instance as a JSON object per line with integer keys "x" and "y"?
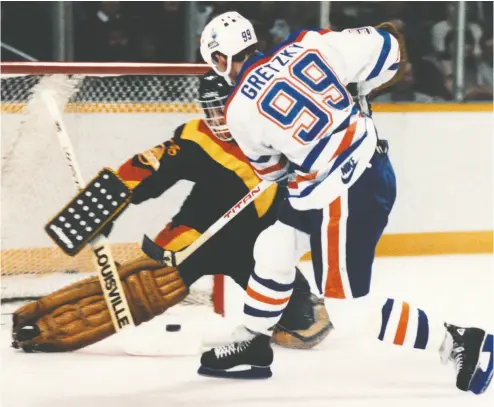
{"x": 291, "y": 114}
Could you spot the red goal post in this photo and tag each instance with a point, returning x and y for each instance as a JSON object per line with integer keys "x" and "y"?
{"x": 30, "y": 154}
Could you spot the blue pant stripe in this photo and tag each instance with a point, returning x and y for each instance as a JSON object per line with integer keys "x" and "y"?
{"x": 271, "y": 284}
{"x": 422, "y": 331}
{"x": 386, "y": 312}
{"x": 254, "y": 312}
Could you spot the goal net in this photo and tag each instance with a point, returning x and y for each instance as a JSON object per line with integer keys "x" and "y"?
{"x": 112, "y": 111}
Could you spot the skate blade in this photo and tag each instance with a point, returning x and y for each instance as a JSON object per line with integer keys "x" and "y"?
{"x": 483, "y": 374}
{"x": 253, "y": 372}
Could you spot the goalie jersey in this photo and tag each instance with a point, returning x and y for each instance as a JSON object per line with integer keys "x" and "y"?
{"x": 292, "y": 115}
{"x": 221, "y": 173}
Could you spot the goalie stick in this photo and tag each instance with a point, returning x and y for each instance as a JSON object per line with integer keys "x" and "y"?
{"x": 107, "y": 270}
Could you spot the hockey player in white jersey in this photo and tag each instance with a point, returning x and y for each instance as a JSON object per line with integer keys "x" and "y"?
{"x": 292, "y": 115}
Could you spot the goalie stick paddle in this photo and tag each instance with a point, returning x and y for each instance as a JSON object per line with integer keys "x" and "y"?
{"x": 105, "y": 264}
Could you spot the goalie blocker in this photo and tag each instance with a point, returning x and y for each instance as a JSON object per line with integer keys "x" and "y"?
{"x": 87, "y": 214}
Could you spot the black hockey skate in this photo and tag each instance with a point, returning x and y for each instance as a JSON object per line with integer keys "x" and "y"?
{"x": 240, "y": 360}
{"x": 471, "y": 350}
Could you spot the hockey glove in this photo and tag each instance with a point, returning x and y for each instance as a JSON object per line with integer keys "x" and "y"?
{"x": 157, "y": 253}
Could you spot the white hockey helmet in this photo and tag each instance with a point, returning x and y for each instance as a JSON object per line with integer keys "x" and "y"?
{"x": 229, "y": 33}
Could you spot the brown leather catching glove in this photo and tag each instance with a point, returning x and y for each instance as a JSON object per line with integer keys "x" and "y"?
{"x": 77, "y": 316}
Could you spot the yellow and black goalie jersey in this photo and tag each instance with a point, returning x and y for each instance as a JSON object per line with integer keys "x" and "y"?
{"x": 221, "y": 175}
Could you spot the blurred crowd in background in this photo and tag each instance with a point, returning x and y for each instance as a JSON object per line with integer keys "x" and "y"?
{"x": 141, "y": 31}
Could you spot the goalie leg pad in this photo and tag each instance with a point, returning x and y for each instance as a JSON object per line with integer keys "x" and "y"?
{"x": 77, "y": 316}
{"x": 305, "y": 338}
{"x": 305, "y": 321}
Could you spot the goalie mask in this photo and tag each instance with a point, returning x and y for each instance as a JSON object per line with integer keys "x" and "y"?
{"x": 213, "y": 92}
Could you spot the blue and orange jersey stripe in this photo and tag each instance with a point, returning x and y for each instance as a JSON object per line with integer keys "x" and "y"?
{"x": 383, "y": 56}
{"x": 273, "y": 168}
{"x": 301, "y": 178}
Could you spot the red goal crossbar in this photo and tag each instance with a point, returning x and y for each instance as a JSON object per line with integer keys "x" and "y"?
{"x": 94, "y": 68}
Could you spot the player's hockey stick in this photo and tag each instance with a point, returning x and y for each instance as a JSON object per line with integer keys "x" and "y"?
{"x": 221, "y": 222}
{"x": 107, "y": 270}
{"x": 157, "y": 252}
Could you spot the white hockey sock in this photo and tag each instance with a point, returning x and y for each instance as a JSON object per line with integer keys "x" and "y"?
{"x": 408, "y": 326}
{"x": 389, "y": 320}
{"x": 265, "y": 301}
{"x": 276, "y": 252}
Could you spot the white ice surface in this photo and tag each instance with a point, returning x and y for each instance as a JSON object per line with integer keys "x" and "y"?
{"x": 340, "y": 372}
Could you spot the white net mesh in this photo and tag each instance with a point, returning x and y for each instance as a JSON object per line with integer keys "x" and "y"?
{"x": 111, "y": 93}
{"x": 109, "y": 118}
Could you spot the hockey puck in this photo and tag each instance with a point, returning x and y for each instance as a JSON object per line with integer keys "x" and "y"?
{"x": 173, "y": 327}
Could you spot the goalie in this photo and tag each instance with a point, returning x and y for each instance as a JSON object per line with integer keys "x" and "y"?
{"x": 201, "y": 151}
